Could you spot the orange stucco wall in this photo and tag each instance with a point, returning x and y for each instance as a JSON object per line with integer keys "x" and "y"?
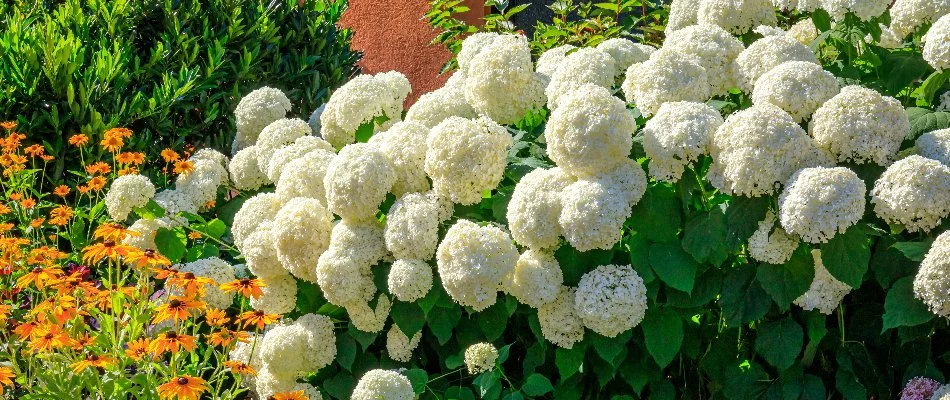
{"x": 393, "y": 35}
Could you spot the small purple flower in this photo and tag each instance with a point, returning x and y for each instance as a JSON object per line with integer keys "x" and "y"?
{"x": 919, "y": 388}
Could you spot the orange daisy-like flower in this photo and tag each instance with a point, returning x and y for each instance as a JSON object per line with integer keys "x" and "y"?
{"x": 225, "y": 337}
{"x": 190, "y": 284}
{"x": 164, "y": 272}
{"x": 112, "y": 143}
{"x": 194, "y": 235}
{"x": 49, "y": 338}
{"x": 112, "y": 231}
{"x": 245, "y": 287}
{"x": 28, "y": 203}
{"x": 137, "y": 349}
{"x": 84, "y": 341}
{"x": 6, "y": 378}
{"x": 26, "y": 330}
{"x": 258, "y": 318}
{"x": 177, "y": 308}
{"x": 60, "y": 215}
{"x": 294, "y": 395}
{"x": 8, "y": 125}
{"x": 82, "y": 189}
{"x": 183, "y": 387}
{"x": 5, "y": 311}
{"x": 147, "y": 259}
{"x": 170, "y": 155}
{"x": 99, "y": 168}
{"x": 121, "y": 132}
{"x": 37, "y": 222}
{"x": 4, "y": 209}
{"x": 107, "y": 249}
{"x": 93, "y": 361}
{"x": 16, "y": 196}
{"x": 46, "y": 157}
{"x": 79, "y": 140}
{"x": 35, "y": 150}
{"x": 39, "y": 276}
{"x": 216, "y": 317}
{"x": 61, "y": 190}
{"x": 172, "y": 342}
{"x": 97, "y": 183}
{"x": 240, "y": 368}
{"x": 184, "y": 167}
{"x": 128, "y": 171}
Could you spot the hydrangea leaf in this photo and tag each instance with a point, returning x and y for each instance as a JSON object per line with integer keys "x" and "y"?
{"x": 901, "y": 308}
{"x": 847, "y": 256}
{"x": 537, "y": 385}
{"x": 704, "y": 237}
{"x": 779, "y": 342}
{"x": 663, "y": 334}
{"x": 673, "y": 266}
{"x": 787, "y": 282}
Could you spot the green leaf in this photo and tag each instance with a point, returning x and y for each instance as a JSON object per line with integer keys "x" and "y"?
{"x": 849, "y": 386}
{"x": 742, "y": 218}
{"x": 673, "y": 266}
{"x": 442, "y": 322}
{"x": 610, "y": 349}
{"x": 171, "y": 243}
{"x": 745, "y": 383}
{"x": 345, "y": 351}
{"x": 418, "y": 378}
{"x": 493, "y": 320}
{"x": 150, "y": 211}
{"x": 787, "y": 282}
{"x": 901, "y": 308}
{"x": 928, "y": 90}
{"x": 779, "y": 342}
{"x": 365, "y": 131}
{"x": 914, "y": 251}
{"x": 569, "y": 361}
{"x": 408, "y": 317}
{"x": 340, "y": 385}
{"x": 657, "y": 215}
{"x": 847, "y": 256}
{"x": 663, "y": 334}
{"x": 705, "y": 237}
{"x": 743, "y": 299}
{"x": 928, "y": 121}
{"x": 537, "y": 385}
{"x": 822, "y": 20}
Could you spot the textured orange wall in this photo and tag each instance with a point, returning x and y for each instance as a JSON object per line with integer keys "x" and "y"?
{"x": 394, "y": 35}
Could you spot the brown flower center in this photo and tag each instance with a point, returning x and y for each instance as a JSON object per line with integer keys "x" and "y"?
{"x": 182, "y": 381}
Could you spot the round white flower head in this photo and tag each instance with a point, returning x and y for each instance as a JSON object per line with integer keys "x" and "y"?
{"x": 480, "y": 357}
{"x": 537, "y": 278}
{"x": 357, "y": 181}
{"x": 314, "y": 120}
{"x": 242, "y": 351}
{"x": 592, "y": 133}
{"x": 677, "y": 135}
{"x": 798, "y": 87}
{"x": 825, "y": 291}
{"x": 770, "y": 243}
{"x": 255, "y": 211}
{"x": 758, "y": 148}
{"x": 863, "y": 9}
{"x": 767, "y": 53}
{"x": 716, "y": 50}
{"x": 471, "y": 47}
{"x": 285, "y": 155}
{"x": 806, "y": 6}
{"x": 246, "y": 171}
{"x": 937, "y": 44}
{"x": 908, "y": 15}
{"x": 174, "y": 202}
{"x": 466, "y": 157}
{"x": 276, "y": 135}
{"x": 935, "y": 145}
{"x": 409, "y": 280}
{"x": 911, "y": 192}
{"x": 399, "y": 346}
{"x": 501, "y": 82}
{"x": 473, "y": 261}
{"x": 260, "y": 252}
{"x": 682, "y": 14}
{"x": 367, "y": 319}
{"x": 889, "y": 38}
{"x": 535, "y": 207}
{"x": 437, "y": 105}
{"x": 405, "y": 146}
{"x": 128, "y": 192}
{"x": 302, "y": 347}
{"x": 302, "y": 232}
{"x": 280, "y": 295}
{"x": 145, "y": 230}
{"x": 218, "y": 271}
{"x": 768, "y": 30}
{"x": 611, "y": 299}
{"x": 381, "y": 384}
{"x": 804, "y": 31}
{"x": 551, "y": 59}
{"x": 933, "y": 281}
{"x": 667, "y": 76}
{"x": 201, "y": 184}
{"x": 361, "y": 241}
{"x": 559, "y": 321}
{"x": 736, "y": 16}
{"x": 344, "y": 271}
{"x": 594, "y": 210}
{"x": 942, "y": 393}
{"x": 412, "y": 225}
{"x": 585, "y": 66}
{"x": 362, "y": 100}
{"x": 819, "y": 202}
{"x": 303, "y": 177}
{"x": 268, "y": 383}
{"x": 255, "y": 111}
{"x": 859, "y": 125}
{"x": 625, "y": 53}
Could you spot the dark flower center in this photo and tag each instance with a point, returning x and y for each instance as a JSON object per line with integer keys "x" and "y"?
{"x": 182, "y": 381}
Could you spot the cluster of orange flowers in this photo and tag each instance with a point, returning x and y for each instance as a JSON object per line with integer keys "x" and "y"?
{"x": 11, "y": 160}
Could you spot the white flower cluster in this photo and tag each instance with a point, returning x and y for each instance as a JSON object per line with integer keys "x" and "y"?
{"x": 863, "y": 9}
{"x": 255, "y": 111}
{"x": 825, "y": 291}
{"x": 594, "y": 210}
{"x": 404, "y": 144}
{"x": 736, "y": 16}
{"x": 278, "y": 134}
{"x": 625, "y": 53}
{"x": 357, "y": 181}
{"x": 301, "y": 230}
{"x": 537, "y": 278}
{"x": 937, "y": 44}
{"x": 860, "y": 125}
{"x": 500, "y": 81}
{"x": 399, "y": 346}
{"x": 292, "y": 350}
{"x": 559, "y": 322}
{"x": 466, "y": 157}
{"x": 245, "y": 170}
{"x": 473, "y": 262}
{"x": 220, "y": 272}
{"x": 480, "y": 357}
{"x": 280, "y": 295}
{"x": 379, "y": 384}
{"x": 551, "y": 59}
{"x": 344, "y": 270}
{"x": 933, "y": 280}
{"x": 910, "y": 193}
{"x": 145, "y": 230}
{"x": 667, "y": 76}
{"x": 770, "y": 243}
{"x": 287, "y": 154}
{"x": 201, "y": 184}
{"x": 409, "y": 279}
{"x": 412, "y": 225}
{"x": 682, "y": 14}
{"x": 535, "y": 207}
{"x": 819, "y": 202}
{"x": 908, "y": 15}
{"x": 804, "y": 31}
{"x": 767, "y": 53}
{"x": 254, "y": 212}
{"x": 435, "y": 106}
{"x": 935, "y": 145}
{"x": 676, "y": 136}
{"x": 363, "y": 99}
{"x": 611, "y": 299}
{"x": 304, "y": 176}
{"x": 716, "y": 50}
{"x": 128, "y": 192}
{"x": 798, "y": 87}
{"x": 584, "y": 66}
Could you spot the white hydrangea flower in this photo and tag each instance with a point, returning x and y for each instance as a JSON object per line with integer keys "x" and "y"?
{"x": 128, "y": 192}
{"x": 859, "y": 125}
{"x": 798, "y": 87}
{"x": 201, "y": 184}
{"x": 246, "y": 171}
{"x": 357, "y": 181}
{"x": 280, "y": 295}
{"x": 255, "y": 211}
{"x": 381, "y": 384}
{"x": 770, "y": 243}
{"x": 466, "y": 157}
{"x": 304, "y": 176}
{"x": 804, "y": 31}
{"x": 405, "y": 146}
{"x": 368, "y": 319}
{"x": 625, "y": 53}
{"x": 908, "y": 15}
{"x": 361, "y": 241}
{"x": 584, "y": 67}
{"x": 501, "y": 83}
{"x": 242, "y": 351}
{"x": 412, "y": 225}
{"x": 218, "y": 271}
{"x": 551, "y": 59}
{"x": 937, "y": 44}
{"x": 682, "y": 14}
{"x": 480, "y": 357}
{"x": 932, "y": 282}
{"x": 611, "y": 299}
{"x": 677, "y": 135}
{"x": 825, "y": 291}
{"x": 269, "y": 383}
{"x": 255, "y": 111}
{"x": 889, "y": 38}
{"x": 409, "y": 280}
{"x": 806, "y": 6}
{"x": 667, "y": 76}
{"x": 592, "y": 133}
{"x": 537, "y": 278}
{"x": 907, "y": 193}
{"x": 260, "y": 252}
{"x": 863, "y": 9}
{"x": 535, "y": 207}
{"x": 716, "y": 50}
{"x": 345, "y": 276}
{"x": 399, "y": 346}
{"x": 435, "y": 106}
{"x": 296, "y": 349}
{"x": 174, "y": 202}
{"x": 473, "y": 261}
{"x": 286, "y": 154}
{"x": 471, "y": 47}
{"x": 559, "y": 322}
{"x": 736, "y": 16}
{"x": 757, "y": 149}
{"x": 278, "y": 134}
{"x": 944, "y": 102}
{"x": 594, "y": 210}
{"x": 935, "y": 145}
{"x": 820, "y": 202}
{"x": 942, "y": 393}
{"x": 767, "y": 53}
{"x": 362, "y": 100}
{"x": 302, "y": 232}
{"x": 768, "y": 30}
{"x": 145, "y": 230}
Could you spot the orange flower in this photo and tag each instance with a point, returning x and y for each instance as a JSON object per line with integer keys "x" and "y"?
{"x": 39, "y": 276}
{"x": 128, "y": 171}
{"x": 35, "y": 150}
{"x": 177, "y": 308}
{"x": 60, "y": 215}
{"x": 28, "y": 203}
{"x": 107, "y": 249}
{"x": 164, "y": 272}
{"x": 147, "y": 259}
{"x": 79, "y": 140}
{"x": 49, "y": 338}
{"x": 83, "y": 189}
{"x": 112, "y": 231}
{"x": 27, "y": 330}
{"x": 16, "y": 196}
{"x": 129, "y": 157}
{"x": 184, "y": 387}
{"x": 37, "y": 222}
{"x": 216, "y": 317}
{"x": 245, "y": 287}
{"x": 46, "y": 158}
{"x": 137, "y": 349}
{"x": 5, "y": 372}
{"x": 257, "y": 318}
{"x": 61, "y": 190}
{"x": 93, "y": 361}
{"x": 83, "y": 342}
{"x": 112, "y": 143}
{"x": 170, "y": 155}
{"x": 8, "y": 125}
{"x": 190, "y": 284}
{"x": 184, "y": 167}
{"x": 97, "y": 183}
{"x": 120, "y": 132}
{"x": 240, "y": 368}
{"x": 194, "y": 235}
{"x": 99, "y": 168}
{"x": 172, "y": 342}
{"x": 5, "y": 311}
{"x": 225, "y": 337}
{"x": 295, "y": 395}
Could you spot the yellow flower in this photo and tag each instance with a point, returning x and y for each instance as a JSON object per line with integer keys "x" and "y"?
{"x": 5, "y": 377}
{"x": 94, "y": 361}
{"x": 60, "y": 215}
{"x": 79, "y": 140}
{"x": 170, "y": 155}
{"x": 61, "y": 190}
{"x": 112, "y": 143}
{"x": 183, "y": 387}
